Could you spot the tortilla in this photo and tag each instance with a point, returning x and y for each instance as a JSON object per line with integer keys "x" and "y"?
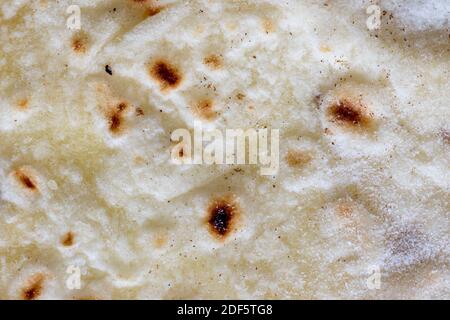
{"x": 358, "y": 210}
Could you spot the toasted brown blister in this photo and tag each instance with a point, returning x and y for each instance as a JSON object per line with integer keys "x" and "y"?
{"x": 205, "y": 109}
{"x": 351, "y": 113}
{"x": 167, "y": 75}
{"x": 213, "y": 61}
{"x": 68, "y": 239}
{"x": 297, "y": 158}
{"x": 116, "y": 118}
{"x": 34, "y": 287}
{"x": 80, "y": 42}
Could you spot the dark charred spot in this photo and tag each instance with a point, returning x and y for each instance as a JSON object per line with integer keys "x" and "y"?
{"x": 213, "y": 61}
{"x": 167, "y": 75}
{"x": 108, "y": 70}
{"x": 350, "y": 113}
{"x": 68, "y": 239}
{"x": 26, "y": 180}
{"x": 79, "y": 43}
{"x": 205, "y": 109}
{"x": 296, "y": 158}
{"x": 181, "y": 153}
{"x": 222, "y": 216}
{"x": 34, "y": 288}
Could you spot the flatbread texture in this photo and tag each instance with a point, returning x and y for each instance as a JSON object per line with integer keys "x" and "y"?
{"x": 86, "y": 179}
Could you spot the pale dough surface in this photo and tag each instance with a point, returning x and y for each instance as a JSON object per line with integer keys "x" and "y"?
{"x": 84, "y": 184}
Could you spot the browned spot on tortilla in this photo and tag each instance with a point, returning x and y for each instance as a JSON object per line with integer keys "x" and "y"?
{"x": 297, "y": 158}
{"x": 153, "y": 10}
{"x": 324, "y": 48}
{"x": 168, "y": 76}
{"x": 26, "y": 179}
{"x": 116, "y": 117}
{"x": 222, "y": 216}
{"x": 160, "y": 241}
{"x": 79, "y": 43}
{"x": 23, "y": 104}
{"x": 240, "y": 96}
{"x": 34, "y": 287}
{"x": 181, "y": 152}
{"x": 68, "y": 239}
{"x": 205, "y": 109}
{"x": 268, "y": 25}
{"x": 350, "y": 113}
{"x": 139, "y": 160}
{"x": 139, "y": 112}
{"x": 344, "y": 209}
{"x": 213, "y": 61}
{"x": 149, "y": 7}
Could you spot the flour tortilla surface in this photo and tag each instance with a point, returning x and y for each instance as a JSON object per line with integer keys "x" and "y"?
{"x": 358, "y": 210}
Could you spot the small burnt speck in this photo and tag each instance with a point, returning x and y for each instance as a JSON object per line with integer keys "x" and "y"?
{"x": 167, "y": 75}
{"x": 68, "y": 239}
{"x": 350, "y": 113}
{"x": 34, "y": 287}
{"x": 26, "y": 180}
{"x": 222, "y": 216}
{"x": 108, "y": 70}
